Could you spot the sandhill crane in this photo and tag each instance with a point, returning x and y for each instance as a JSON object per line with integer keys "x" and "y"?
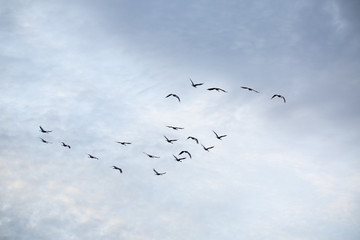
{"x": 178, "y": 159}
{"x": 193, "y": 138}
{"x": 175, "y": 128}
{"x": 157, "y": 173}
{"x": 93, "y": 157}
{"x": 151, "y": 156}
{"x": 65, "y": 145}
{"x": 117, "y": 168}
{"x": 44, "y": 141}
{"x": 182, "y": 152}
{"x": 219, "y": 137}
{"x": 250, "y": 89}
{"x": 217, "y": 89}
{"x": 170, "y": 140}
{"x": 207, "y": 148}
{"x": 44, "y": 131}
{"x": 279, "y": 96}
{"x": 173, "y": 95}
{"x": 195, "y": 84}
{"x": 123, "y": 143}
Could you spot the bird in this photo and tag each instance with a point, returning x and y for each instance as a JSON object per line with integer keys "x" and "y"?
{"x": 219, "y": 137}
{"x": 93, "y": 157}
{"x": 151, "y": 156}
{"x": 123, "y": 143}
{"x": 280, "y": 96}
{"x": 250, "y": 89}
{"x": 170, "y": 140}
{"x": 175, "y": 128}
{"x": 178, "y": 159}
{"x": 65, "y": 145}
{"x": 217, "y": 89}
{"x": 195, "y": 84}
{"x": 44, "y": 141}
{"x": 173, "y": 95}
{"x": 193, "y": 138}
{"x": 117, "y": 168}
{"x": 44, "y": 131}
{"x": 185, "y": 152}
{"x": 157, "y": 173}
{"x": 207, "y": 148}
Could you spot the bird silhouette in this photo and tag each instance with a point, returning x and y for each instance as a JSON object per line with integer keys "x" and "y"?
{"x": 44, "y": 141}
{"x": 219, "y": 137}
{"x": 207, "y": 148}
{"x": 217, "y": 89}
{"x": 123, "y": 143}
{"x": 65, "y": 145}
{"x": 250, "y": 89}
{"x": 157, "y": 173}
{"x": 173, "y": 95}
{"x": 44, "y": 131}
{"x": 193, "y": 138}
{"x": 151, "y": 156}
{"x": 117, "y": 168}
{"x": 179, "y": 159}
{"x": 93, "y": 157}
{"x": 195, "y": 84}
{"x": 182, "y": 152}
{"x": 175, "y": 128}
{"x": 279, "y": 96}
{"x": 170, "y": 140}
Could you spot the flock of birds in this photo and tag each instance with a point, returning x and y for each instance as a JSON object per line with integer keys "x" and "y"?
{"x": 181, "y": 155}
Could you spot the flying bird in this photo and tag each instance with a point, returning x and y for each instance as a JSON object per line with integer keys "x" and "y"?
{"x": 93, "y": 157}
{"x": 217, "y": 89}
{"x": 185, "y": 152}
{"x": 65, "y": 145}
{"x": 250, "y": 89}
{"x": 219, "y": 137}
{"x": 117, "y": 168}
{"x": 170, "y": 140}
{"x": 178, "y": 159}
{"x": 207, "y": 148}
{"x": 157, "y": 173}
{"x": 195, "y": 84}
{"x": 175, "y": 128}
{"x": 280, "y": 96}
{"x": 44, "y": 131}
{"x": 151, "y": 156}
{"x": 173, "y": 95}
{"x": 123, "y": 143}
{"x": 193, "y": 138}
{"x": 44, "y": 141}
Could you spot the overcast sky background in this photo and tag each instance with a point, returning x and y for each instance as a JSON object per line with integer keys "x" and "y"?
{"x": 96, "y": 72}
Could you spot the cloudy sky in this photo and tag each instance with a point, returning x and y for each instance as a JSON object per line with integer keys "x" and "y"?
{"x": 96, "y": 72}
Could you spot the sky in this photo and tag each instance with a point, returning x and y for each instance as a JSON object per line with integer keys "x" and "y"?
{"x": 97, "y": 72}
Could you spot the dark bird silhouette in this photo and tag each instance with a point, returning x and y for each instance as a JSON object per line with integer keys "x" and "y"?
{"x": 185, "y": 152}
{"x": 173, "y": 95}
{"x": 65, "y": 145}
{"x": 157, "y": 173}
{"x": 170, "y": 140}
{"x": 280, "y": 96}
{"x": 219, "y": 137}
{"x": 179, "y": 159}
{"x": 207, "y": 148}
{"x": 195, "y": 84}
{"x": 93, "y": 157}
{"x": 123, "y": 143}
{"x": 117, "y": 168}
{"x": 175, "y": 128}
{"x": 151, "y": 156}
{"x": 217, "y": 89}
{"x": 44, "y": 131}
{"x": 193, "y": 138}
{"x": 44, "y": 141}
{"x": 250, "y": 89}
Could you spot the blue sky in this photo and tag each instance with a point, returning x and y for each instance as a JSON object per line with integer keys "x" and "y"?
{"x": 96, "y": 72}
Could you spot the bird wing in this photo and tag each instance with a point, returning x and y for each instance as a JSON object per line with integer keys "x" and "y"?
{"x": 156, "y": 171}
{"x": 216, "y": 134}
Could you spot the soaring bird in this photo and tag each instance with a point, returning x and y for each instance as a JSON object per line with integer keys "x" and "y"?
{"x": 207, "y": 148}
{"x": 217, "y": 89}
{"x": 44, "y": 141}
{"x": 65, "y": 145}
{"x": 173, "y": 95}
{"x": 280, "y": 96}
{"x": 123, "y": 143}
{"x": 185, "y": 152}
{"x": 170, "y": 140}
{"x": 44, "y": 131}
{"x": 151, "y": 156}
{"x": 250, "y": 89}
{"x": 175, "y": 128}
{"x": 193, "y": 138}
{"x": 93, "y": 157}
{"x": 117, "y": 168}
{"x": 195, "y": 84}
{"x": 157, "y": 173}
{"x": 219, "y": 137}
{"x": 178, "y": 159}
